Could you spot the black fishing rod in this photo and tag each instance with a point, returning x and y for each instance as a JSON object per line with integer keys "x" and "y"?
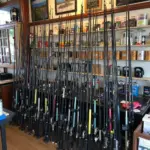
{"x": 64, "y": 67}
{"x": 30, "y": 78}
{"x": 80, "y": 108}
{"x": 129, "y": 114}
{"x": 116, "y": 104}
{"x": 73, "y": 92}
{"x": 62, "y": 94}
{"x": 67, "y": 103}
{"x": 47, "y": 96}
{"x": 24, "y": 85}
{"x": 38, "y": 98}
{"x": 96, "y": 134}
{"x": 131, "y": 111}
{"x": 56, "y": 98}
{"x": 34, "y": 83}
{"x": 17, "y": 82}
{"x": 106, "y": 82}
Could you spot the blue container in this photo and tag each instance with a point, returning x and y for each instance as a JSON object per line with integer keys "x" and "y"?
{"x": 135, "y": 90}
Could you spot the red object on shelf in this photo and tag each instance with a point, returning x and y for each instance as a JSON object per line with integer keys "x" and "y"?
{"x": 126, "y": 105}
{"x": 46, "y": 43}
{"x": 39, "y": 44}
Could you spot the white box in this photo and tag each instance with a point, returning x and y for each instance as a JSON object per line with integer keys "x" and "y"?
{"x": 144, "y": 144}
{"x": 146, "y": 124}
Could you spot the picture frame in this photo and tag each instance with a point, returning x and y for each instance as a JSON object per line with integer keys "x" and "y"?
{"x": 96, "y": 4}
{"x": 123, "y": 2}
{"x": 65, "y": 6}
{"x": 39, "y": 10}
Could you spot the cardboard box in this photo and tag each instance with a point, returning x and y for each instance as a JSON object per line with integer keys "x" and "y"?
{"x": 109, "y": 54}
{"x": 118, "y": 55}
{"x": 146, "y": 124}
{"x": 98, "y": 55}
{"x": 123, "y": 55}
{"x": 96, "y": 68}
{"x": 133, "y": 55}
{"x": 147, "y": 55}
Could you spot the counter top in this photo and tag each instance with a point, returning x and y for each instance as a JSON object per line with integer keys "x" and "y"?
{"x": 6, "y": 81}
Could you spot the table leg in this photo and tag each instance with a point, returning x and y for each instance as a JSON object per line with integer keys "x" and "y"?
{"x": 3, "y": 136}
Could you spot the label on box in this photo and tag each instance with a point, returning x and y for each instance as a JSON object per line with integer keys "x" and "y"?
{"x": 144, "y": 144}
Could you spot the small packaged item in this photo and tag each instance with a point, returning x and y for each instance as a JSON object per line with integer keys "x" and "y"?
{"x": 133, "y": 21}
{"x": 117, "y": 22}
{"x": 146, "y": 91}
{"x": 123, "y": 55}
{"x": 101, "y": 55}
{"x": 118, "y": 55}
{"x": 140, "y": 55}
{"x": 96, "y": 68}
{"x": 123, "y": 23}
{"x": 142, "y": 20}
{"x": 147, "y": 55}
{"x": 110, "y": 55}
{"x": 135, "y": 89}
{"x": 133, "y": 55}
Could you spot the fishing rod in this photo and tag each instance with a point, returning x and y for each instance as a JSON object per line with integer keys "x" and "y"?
{"x": 116, "y": 104}
{"x": 44, "y": 100}
{"x": 67, "y": 104}
{"x": 106, "y": 81}
{"x": 96, "y": 134}
{"x": 38, "y": 98}
{"x": 80, "y": 110}
{"x": 56, "y": 98}
{"x": 86, "y": 75}
{"x": 50, "y": 86}
{"x": 47, "y": 96}
{"x": 129, "y": 114}
{"x": 63, "y": 112}
{"x": 16, "y": 82}
{"x": 24, "y": 86}
{"x": 30, "y": 78}
{"x": 35, "y": 68}
{"x": 74, "y": 91}
{"x": 62, "y": 87}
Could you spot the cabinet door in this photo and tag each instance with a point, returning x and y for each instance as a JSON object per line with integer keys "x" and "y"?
{"x": 6, "y": 95}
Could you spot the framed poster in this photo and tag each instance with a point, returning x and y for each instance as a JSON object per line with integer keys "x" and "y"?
{"x": 39, "y": 9}
{"x": 96, "y": 4}
{"x": 123, "y": 2}
{"x": 65, "y": 6}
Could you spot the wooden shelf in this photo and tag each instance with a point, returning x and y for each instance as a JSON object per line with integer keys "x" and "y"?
{"x": 101, "y": 31}
{"x": 6, "y": 81}
{"x": 120, "y": 9}
{"x": 9, "y": 25}
{"x": 102, "y": 75}
{"x": 9, "y": 4}
{"x": 10, "y": 66}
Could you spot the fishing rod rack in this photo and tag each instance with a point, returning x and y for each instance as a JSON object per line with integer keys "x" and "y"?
{"x": 60, "y": 98}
